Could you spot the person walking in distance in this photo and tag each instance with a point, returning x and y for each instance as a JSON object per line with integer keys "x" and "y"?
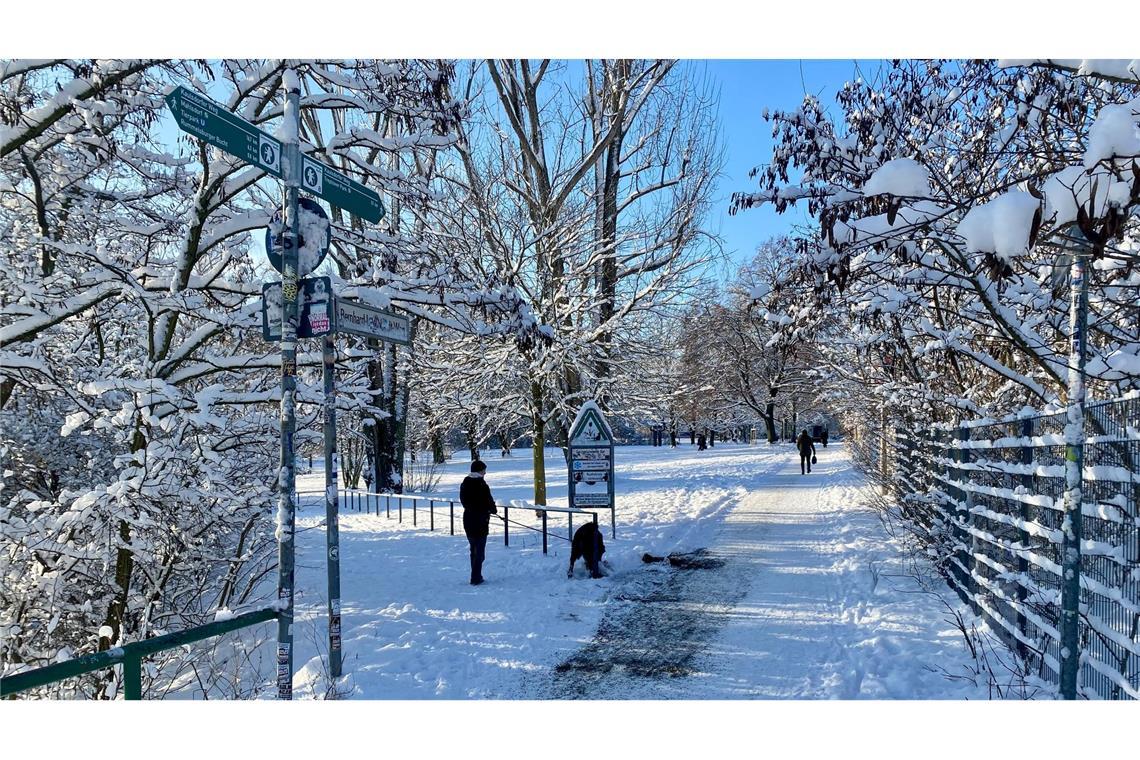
{"x": 478, "y": 506}
{"x": 807, "y": 451}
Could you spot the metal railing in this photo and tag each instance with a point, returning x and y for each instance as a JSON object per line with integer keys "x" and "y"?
{"x": 129, "y": 655}
{"x": 368, "y": 502}
{"x": 541, "y": 510}
{"x": 989, "y": 496}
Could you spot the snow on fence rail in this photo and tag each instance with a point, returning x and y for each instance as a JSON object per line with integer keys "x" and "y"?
{"x": 989, "y": 500}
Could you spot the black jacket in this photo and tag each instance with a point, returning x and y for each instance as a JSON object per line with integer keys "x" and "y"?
{"x": 478, "y": 505}
{"x": 805, "y": 444}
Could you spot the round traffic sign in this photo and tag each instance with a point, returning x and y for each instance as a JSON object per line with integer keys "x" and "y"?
{"x": 315, "y": 232}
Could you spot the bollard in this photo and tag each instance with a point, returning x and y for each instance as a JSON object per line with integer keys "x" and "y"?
{"x": 400, "y": 508}
{"x": 506, "y": 530}
{"x": 544, "y": 531}
{"x": 388, "y": 506}
{"x": 451, "y": 505}
{"x": 414, "y": 502}
{"x": 431, "y": 513}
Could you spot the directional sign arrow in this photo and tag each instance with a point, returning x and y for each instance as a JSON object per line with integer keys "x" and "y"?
{"x": 206, "y": 119}
{"x": 340, "y": 190}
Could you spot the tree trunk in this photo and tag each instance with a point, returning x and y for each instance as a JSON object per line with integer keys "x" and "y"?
{"x": 124, "y": 564}
{"x": 384, "y": 432}
{"x": 437, "y": 453}
{"x": 472, "y": 444}
{"x": 770, "y": 420}
{"x": 537, "y": 444}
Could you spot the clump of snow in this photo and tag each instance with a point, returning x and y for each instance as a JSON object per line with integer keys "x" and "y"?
{"x": 1074, "y": 187}
{"x": 1111, "y": 67}
{"x": 902, "y": 176}
{"x": 314, "y": 229}
{"x": 1116, "y": 132}
{"x": 1129, "y": 364}
{"x": 1001, "y": 226}
{"x": 223, "y": 614}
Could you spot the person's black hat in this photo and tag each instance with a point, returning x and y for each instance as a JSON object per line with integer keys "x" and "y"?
{"x": 478, "y": 466}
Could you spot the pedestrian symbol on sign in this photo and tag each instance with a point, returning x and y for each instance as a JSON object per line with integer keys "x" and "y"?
{"x": 267, "y": 153}
{"x": 312, "y": 177}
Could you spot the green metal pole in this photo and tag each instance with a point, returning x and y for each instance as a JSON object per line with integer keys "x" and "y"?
{"x": 332, "y": 507}
{"x": 1074, "y": 466}
{"x": 286, "y": 517}
{"x": 132, "y": 678}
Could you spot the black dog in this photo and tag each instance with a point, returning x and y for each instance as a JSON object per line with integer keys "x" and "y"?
{"x": 588, "y": 545}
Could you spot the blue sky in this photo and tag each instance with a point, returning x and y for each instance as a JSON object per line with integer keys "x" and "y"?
{"x": 747, "y": 87}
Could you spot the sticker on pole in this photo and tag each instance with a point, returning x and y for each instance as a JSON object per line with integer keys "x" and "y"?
{"x": 315, "y": 231}
{"x": 315, "y": 310}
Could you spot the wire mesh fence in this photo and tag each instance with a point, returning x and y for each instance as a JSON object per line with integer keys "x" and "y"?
{"x": 988, "y": 498}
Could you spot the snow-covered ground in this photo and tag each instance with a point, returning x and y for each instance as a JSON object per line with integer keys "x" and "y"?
{"x": 807, "y": 595}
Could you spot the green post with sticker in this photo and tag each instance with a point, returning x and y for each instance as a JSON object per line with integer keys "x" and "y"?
{"x": 287, "y": 476}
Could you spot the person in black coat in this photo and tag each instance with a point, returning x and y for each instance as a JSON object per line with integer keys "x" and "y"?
{"x": 807, "y": 450}
{"x": 478, "y": 506}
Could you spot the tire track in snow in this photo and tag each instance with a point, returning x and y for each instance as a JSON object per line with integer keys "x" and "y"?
{"x": 656, "y": 624}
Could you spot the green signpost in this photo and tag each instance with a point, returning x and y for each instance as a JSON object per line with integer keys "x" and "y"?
{"x": 207, "y": 120}
{"x": 341, "y": 191}
{"x": 281, "y": 158}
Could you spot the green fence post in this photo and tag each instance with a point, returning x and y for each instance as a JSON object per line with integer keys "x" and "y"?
{"x": 132, "y": 677}
{"x": 287, "y": 478}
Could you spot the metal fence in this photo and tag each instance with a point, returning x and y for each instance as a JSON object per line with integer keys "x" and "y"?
{"x": 130, "y": 656}
{"x": 988, "y": 497}
{"x": 354, "y": 500}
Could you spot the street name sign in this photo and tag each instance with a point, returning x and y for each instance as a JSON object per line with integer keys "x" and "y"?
{"x": 358, "y": 319}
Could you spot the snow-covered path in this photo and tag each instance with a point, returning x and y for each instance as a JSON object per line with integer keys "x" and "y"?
{"x": 798, "y": 597}
{"x": 803, "y": 594}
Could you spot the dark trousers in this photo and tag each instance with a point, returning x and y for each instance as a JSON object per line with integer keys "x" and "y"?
{"x": 805, "y": 461}
{"x": 478, "y": 544}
